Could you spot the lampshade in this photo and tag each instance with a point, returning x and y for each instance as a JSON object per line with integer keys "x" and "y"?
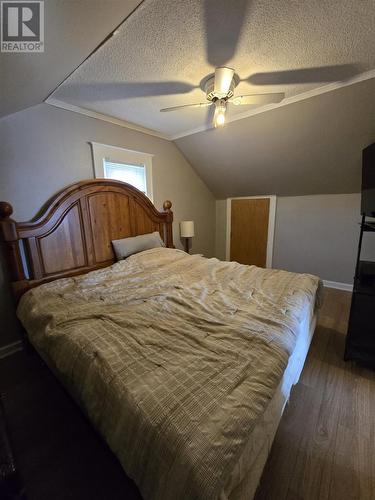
{"x": 187, "y": 228}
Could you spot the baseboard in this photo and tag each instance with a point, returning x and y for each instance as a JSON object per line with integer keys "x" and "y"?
{"x": 339, "y": 286}
{"x": 9, "y": 349}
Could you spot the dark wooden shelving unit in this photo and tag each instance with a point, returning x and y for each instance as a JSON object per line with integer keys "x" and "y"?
{"x": 360, "y": 340}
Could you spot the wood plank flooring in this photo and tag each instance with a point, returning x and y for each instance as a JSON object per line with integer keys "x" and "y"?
{"x": 325, "y": 445}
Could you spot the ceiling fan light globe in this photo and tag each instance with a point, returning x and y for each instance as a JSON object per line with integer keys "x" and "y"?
{"x": 220, "y": 109}
{"x": 220, "y": 120}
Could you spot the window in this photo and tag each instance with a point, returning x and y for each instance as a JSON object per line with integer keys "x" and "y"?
{"x": 132, "y": 174}
{"x": 133, "y": 167}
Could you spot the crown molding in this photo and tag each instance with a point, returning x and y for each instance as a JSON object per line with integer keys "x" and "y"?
{"x": 367, "y": 75}
{"x": 103, "y": 117}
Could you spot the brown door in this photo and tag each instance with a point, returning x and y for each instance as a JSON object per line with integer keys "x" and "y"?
{"x": 249, "y": 231}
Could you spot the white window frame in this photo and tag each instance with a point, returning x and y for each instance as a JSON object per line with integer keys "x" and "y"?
{"x": 271, "y": 225}
{"x": 100, "y": 152}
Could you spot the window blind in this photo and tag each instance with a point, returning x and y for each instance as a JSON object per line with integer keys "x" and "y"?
{"x": 132, "y": 174}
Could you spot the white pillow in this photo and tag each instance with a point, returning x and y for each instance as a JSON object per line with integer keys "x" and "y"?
{"x": 127, "y": 246}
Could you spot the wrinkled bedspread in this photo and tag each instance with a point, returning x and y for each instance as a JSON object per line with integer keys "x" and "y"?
{"x": 173, "y": 357}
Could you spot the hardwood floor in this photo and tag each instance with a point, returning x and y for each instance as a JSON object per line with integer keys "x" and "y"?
{"x": 325, "y": 445}
{"x": 58, "y": 454}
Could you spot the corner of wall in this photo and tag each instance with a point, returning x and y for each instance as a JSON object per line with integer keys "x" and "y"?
{"x": 220, "y": 229}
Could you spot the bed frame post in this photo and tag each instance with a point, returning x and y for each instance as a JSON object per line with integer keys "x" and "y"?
{"x": 11, "y": 242}
{"x": 167, "y": 205}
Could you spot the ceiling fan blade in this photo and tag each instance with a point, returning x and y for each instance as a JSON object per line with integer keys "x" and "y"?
{"x": 197, "y": 105}
{"x": 257, "y": 99}
{"x": 210, "y": 117}
{"x": 223, "y": 23}
{"x": 110, "y": 91}
{"x": 318, "y": 74}
{"x": 223, "y": 79}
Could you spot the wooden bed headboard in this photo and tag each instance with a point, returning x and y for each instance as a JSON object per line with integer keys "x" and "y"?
{"x": 74, "y": 232}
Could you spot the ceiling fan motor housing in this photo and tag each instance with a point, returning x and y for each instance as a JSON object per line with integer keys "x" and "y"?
{"x": 211, "y": 95}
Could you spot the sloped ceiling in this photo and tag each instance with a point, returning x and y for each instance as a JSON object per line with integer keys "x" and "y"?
{"x": 309, "y": 147}
{"x": 166, "y": 47}
{"x": 73, "y": 29}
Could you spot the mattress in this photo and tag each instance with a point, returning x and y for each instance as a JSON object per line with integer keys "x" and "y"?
{"x": 246, "y": 475}
{"x": 176, "y": 360}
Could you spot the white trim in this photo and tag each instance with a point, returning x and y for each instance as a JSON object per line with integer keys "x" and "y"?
{"x": 101, "y": 116}
{"x": 117, "y": 153}
{"x": 367, "y": 75}
{"x": 338, "y": 286}
{"x": 122, "y": 149}
{"x": 9, "y": 349}
{"x": 271, "y": 225}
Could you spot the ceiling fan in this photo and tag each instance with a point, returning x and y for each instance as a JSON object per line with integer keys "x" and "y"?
{"x": 223, "y": 23}
{"x": 219, "y": 90}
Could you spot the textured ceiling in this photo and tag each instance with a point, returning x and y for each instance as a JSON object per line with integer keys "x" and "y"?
{"x": 166, "y": 41}
{"x": 73, "y": 29}
{"x": 309, "y": 147}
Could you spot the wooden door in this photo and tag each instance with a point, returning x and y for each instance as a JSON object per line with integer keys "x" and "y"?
{"x": 249, "y": 230}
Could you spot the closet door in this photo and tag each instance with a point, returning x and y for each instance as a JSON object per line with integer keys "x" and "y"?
{"x": 249, "y": 230}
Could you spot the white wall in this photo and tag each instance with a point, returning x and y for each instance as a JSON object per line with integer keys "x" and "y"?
{"x": 318, "y": 234}
{"x": 43, "y": 149}
{"x": 315, "y": 234}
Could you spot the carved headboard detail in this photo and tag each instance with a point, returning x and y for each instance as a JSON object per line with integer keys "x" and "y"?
{"x": 74, "y": 233}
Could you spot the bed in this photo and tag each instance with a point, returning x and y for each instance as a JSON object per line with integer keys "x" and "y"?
{"x": 183, "y": 364}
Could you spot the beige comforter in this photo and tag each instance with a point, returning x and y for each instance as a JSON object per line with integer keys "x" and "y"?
{"x": 173, "y": 357}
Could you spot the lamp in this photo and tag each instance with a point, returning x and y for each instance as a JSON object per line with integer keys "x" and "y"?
{"x": 187, "y": 231}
